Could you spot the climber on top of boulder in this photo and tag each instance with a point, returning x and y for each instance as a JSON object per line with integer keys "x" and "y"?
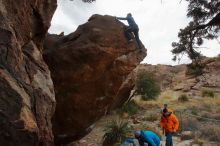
{"x": 132, "y": 28}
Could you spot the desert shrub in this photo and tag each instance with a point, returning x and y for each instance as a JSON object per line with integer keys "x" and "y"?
{"x": 147, "y": 86}
{"x": 115, "y": 132}
{"x": 194, "y": 110}
{"x": 208, "y": 93}
{"x": 131, "y": 108}
{"x": 183, "y": 98}
{"x": 198, "y": 142}
{"x": 195, "y": 69}
{"x": 210, "y": 132}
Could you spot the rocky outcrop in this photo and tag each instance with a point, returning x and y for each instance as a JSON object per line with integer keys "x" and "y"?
{"x": 175, "y": 78}
{"x": 88, "y": 68}
{"x": 211, "y": 76}
{"x": 164, "y": 74}
{"x": 27, "y": 99}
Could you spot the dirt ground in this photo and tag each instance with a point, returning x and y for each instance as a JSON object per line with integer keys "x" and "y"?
{"x": 141, "y": 120}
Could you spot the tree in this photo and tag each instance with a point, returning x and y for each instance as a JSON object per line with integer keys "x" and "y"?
{"x": 147, "y": 86}
{"x": 205, "y": 24}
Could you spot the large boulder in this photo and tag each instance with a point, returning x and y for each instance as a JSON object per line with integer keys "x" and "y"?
{"x": 88, "y": 68}
{"x": 27, "y": 100}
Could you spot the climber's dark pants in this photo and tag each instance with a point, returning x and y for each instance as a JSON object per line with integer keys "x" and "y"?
{"x": 169, "y": 140}
{"x": 128, "y": 34}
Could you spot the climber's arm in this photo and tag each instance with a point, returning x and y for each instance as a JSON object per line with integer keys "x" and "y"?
{"x": 121, "y": 18}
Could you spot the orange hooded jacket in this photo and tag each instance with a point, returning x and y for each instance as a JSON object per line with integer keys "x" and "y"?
{"x": 170, "y": 123}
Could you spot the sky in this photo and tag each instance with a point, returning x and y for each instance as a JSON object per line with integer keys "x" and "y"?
{"x": 159, "y": 22}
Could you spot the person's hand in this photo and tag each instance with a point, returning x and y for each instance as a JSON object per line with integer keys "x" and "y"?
{"x": 174, "y": 130}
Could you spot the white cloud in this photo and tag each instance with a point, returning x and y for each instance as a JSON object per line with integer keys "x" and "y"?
{"x": 159, "y": 23}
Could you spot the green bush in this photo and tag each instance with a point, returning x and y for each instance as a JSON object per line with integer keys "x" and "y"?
{"x": 183, "y": 98}
{"x": 131, "y": 108}
{"x": 208, "y": 93}
{"x": 195, "y": 69}
{"x": 115, "y": 132}
{"x": 147, "y": 86}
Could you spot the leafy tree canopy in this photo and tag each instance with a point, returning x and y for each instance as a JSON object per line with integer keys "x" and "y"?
{"x": 205, "y": 24}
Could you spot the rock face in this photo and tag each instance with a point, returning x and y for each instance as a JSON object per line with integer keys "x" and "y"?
{"x": 165, "y": 74}
{"x": 175, "y": 78}
{"x": 88, "y": 68}
{"x": 211, "y": 75}
{"x": 27, "y": 99}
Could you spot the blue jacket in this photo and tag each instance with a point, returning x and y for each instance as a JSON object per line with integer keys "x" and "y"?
{"x": 130, "y": 20}
{"x": 150, "y": 137}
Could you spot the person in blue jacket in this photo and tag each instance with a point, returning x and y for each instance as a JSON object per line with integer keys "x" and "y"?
{"x": 133, "y": 27}
{"x": 147, "y": 136}
{"x": 131, "y": 142}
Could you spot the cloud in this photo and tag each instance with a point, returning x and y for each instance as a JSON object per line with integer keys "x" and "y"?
{"x": 159, "y": 23}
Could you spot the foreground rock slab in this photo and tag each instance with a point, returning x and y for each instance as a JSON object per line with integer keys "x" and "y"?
{"x": 27, "y": 100}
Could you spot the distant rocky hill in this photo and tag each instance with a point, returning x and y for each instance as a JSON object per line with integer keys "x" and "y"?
{"x": 176, "y": 78}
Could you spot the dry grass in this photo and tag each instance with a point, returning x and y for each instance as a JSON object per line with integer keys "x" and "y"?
{"x": 170, "y": 97}
{"x": 210, "y": 132}
{"x": 151, "y": 117}
{"x": 215, "y": 116}
{"x": 189, "y": 124}
{"x": 205, "y": 107}
{"x": 146, "y": 104}
{"x": 210, "y": 105}
{"x": 205, "y": 104}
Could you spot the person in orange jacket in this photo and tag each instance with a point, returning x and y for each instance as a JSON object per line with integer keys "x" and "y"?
{"x": 170, "y": 124}
{"x": 165, "y": 106}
